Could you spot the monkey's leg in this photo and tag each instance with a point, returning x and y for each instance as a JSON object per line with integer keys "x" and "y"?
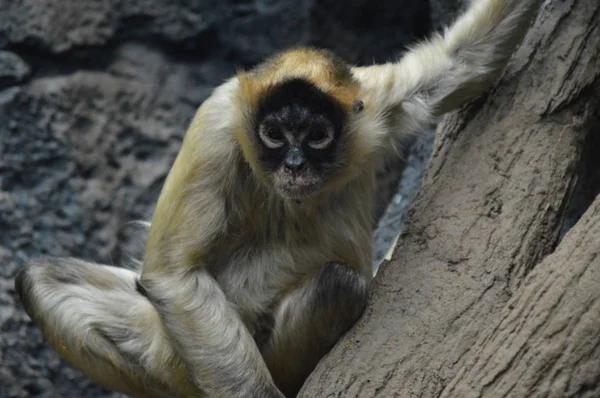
{"x": 310, "y": 320}
{"x": 95, "y": 319}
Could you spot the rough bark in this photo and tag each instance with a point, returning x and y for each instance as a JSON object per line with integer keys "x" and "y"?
{"x": 545, "y": 341}
{"x": 458, "y": 312}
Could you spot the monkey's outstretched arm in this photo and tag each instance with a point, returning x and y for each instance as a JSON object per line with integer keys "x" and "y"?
{"x": 442, "y": 73}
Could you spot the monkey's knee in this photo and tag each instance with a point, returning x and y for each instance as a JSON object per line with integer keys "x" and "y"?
{"x": 95, "y": 320}
{"x": 49, "y": 279}
{"x": 341, "y": 291}
{"x": 28, "y": 281}
{"x": 23, "y": 286}
{"x": 67, "y": 298}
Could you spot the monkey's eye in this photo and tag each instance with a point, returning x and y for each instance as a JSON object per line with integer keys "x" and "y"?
{"x": 271, "y": 136}
{"x": 320, "y": 138}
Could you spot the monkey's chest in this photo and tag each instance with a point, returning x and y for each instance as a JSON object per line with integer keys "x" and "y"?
{"x": 254, "y": 276}
{"x": 257, "y": 280}
{"x": 268, "y": 258}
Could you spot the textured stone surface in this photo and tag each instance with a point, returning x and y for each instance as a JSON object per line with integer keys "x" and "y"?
{"x": 95, "y": 97}
{"x": 443, "y": 12}
{"x": 13, "y": 69}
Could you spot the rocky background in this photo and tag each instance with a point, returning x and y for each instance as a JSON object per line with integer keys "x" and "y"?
{"x": 95, "y": 96}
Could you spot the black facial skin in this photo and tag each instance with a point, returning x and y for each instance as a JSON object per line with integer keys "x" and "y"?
{"x": 291, "y": 122}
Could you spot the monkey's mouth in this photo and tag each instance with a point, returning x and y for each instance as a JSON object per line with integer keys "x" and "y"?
{"x": 296, "y": 186}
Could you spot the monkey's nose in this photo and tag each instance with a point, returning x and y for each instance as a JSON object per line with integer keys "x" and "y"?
{"x": 294, "y": 161}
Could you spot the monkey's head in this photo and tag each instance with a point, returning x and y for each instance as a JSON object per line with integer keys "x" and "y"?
{"x": 296, "y": 133}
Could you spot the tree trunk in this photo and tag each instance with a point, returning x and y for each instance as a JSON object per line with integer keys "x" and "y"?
{"x": 478, "y": 299}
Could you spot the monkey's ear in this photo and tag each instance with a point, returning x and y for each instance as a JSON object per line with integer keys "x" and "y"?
{"x": 357, "y": 106}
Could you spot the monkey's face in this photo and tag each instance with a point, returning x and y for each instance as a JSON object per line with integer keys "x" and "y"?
{"x": 298, "y": 128}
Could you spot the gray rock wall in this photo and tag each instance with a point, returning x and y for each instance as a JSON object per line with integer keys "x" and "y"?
{"x": 95, "y": 96}
{"x": 443, "y": 12}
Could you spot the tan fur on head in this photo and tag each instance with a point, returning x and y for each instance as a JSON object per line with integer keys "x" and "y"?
{"x": 319, "y": 67}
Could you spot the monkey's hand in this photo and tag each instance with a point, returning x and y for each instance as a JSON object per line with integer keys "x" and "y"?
{"x": 208, "y": 334}
{"x": 310, "y": 319}
{"x": 441, "y": 74}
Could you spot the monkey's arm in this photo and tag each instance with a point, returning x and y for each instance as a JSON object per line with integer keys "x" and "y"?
{"x": 208, "y": 335}
{"x": 206, "y": 331}
{"x": 441, "y": 74}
